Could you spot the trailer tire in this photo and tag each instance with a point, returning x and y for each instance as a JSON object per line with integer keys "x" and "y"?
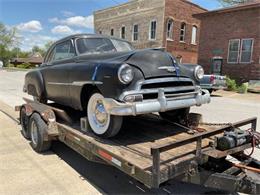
{"x": 178, "y": 116}
{"x": 102, "y": 123}
{"x": 24, "y": 121}
{"x": 38, "y": 130}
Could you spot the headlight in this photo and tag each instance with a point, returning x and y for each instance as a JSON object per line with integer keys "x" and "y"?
{"x": 199, "y": 72}
{"x": 125, "y": 74}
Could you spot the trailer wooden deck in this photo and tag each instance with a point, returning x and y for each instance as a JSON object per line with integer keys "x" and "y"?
{"x": 132, "y": 148}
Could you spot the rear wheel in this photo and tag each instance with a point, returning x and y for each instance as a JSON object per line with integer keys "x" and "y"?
{"x": 102, "y": 123}
{"x": 38, "y": 128}
{"x": 178, "y": 116}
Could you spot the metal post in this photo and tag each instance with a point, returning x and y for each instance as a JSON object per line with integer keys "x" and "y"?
{"x": 156, "y": 167}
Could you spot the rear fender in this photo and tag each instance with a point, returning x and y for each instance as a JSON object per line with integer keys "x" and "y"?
{"x": 34, "y": 84}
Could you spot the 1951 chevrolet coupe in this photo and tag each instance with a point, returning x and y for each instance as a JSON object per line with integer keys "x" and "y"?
{"x": 108, "y": 79}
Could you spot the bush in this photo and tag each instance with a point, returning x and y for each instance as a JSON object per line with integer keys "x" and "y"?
{"x": 10, "y": 65}
{"x": 24, "y": 65}
{"x": 242, "y": 88}
{"x": 231, "y": 84}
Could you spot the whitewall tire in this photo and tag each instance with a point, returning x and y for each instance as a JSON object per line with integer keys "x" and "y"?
{"x": 102, "y": 123}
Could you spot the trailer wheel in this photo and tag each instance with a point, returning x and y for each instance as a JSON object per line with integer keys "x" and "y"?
{"x": 38, "y": 128}
{"x": 178, "y": 116}
{"x": 102, "y": 123}
{"x": 24, "y": 120}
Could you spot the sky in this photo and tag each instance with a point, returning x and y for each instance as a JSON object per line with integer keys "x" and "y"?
{"x": 40, "y": 21}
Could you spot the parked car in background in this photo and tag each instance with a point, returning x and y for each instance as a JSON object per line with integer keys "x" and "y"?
{"x": 107, "y": 79}
{"x": 213, "y": 82}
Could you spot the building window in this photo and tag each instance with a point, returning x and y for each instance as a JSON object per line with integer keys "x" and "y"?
{"x": 182, "y": 32}
{"x": 170, "y": 29}
{"x": 123, "y": 32}
{"x": 194, "y": 35}
{"x": 246, "y": 50}
{"x": 112, "y": 32}
{"x": 233, "y": 51}
{"x": 100, "y": 32}
{"x": 135, "y": 32}
{"x": 152, "y": 32}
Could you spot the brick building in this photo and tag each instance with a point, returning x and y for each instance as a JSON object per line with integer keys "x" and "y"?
{"x": 230, "y": 41}
{"x": 154, "y": 23}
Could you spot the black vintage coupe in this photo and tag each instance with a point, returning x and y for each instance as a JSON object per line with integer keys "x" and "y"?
{"x": 108, "y": 79}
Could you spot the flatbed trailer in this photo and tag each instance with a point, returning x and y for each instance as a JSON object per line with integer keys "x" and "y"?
{"x": 152, "y": 150}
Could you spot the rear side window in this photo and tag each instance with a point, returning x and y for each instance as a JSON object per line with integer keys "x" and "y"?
{"x": 63, "y": 50}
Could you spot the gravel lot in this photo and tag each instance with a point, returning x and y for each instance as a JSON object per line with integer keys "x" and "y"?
{"x": 88, "y": 177}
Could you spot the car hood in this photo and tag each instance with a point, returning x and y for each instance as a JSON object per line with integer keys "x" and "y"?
{"x": 152, "y": 62}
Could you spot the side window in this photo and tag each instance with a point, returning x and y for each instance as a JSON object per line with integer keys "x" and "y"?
{"x": 63, "y": 50}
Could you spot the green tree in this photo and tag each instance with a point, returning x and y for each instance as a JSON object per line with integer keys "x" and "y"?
{"x": 48, "y": 45}
{"x": 8, "y": 39}
{"x": 233, "y": 2}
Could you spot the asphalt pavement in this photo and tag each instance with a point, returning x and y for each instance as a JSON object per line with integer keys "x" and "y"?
{"x": 63, "y": 171}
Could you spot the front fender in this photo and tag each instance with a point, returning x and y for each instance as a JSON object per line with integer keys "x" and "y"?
{"x": 34, "y": 84}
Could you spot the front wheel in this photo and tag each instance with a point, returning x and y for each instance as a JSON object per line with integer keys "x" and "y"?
{"x": 178, "y": 116}
{"x": 102, "y": 123}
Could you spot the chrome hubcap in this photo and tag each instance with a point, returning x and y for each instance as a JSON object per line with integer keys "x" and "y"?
{"x": 101, "y": 116}
{"x": 34, "y": 133}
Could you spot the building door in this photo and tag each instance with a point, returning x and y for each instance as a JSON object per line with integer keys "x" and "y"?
{"x": 216, "y": 67}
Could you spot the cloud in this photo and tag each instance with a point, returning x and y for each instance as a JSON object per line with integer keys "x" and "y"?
{"x": 30, "y": 40}
{"x": 31, "y": 26}
{"x": 67, "y": 13}
{"x": 63, "y": 29}
{"x": 77, "y": 21}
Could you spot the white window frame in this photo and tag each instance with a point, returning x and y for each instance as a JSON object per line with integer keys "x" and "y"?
{"x": 171, "y": 32}
{"x": 184, "y": 32}
{"x": 133, "y": 33}
{"x": 194, "y": 36}
{"x": 150, "y": 30}
{"x": 240, "y": 53}
{"x": 121, "y": 32}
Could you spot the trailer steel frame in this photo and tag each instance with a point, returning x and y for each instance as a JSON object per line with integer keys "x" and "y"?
{"x": 189, "y": 168}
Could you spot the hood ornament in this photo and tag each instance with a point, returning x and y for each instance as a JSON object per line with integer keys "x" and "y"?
{"x": 170, "y": 69}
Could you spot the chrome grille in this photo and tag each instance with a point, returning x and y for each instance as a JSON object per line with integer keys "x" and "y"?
{"x": 167, "y": 84}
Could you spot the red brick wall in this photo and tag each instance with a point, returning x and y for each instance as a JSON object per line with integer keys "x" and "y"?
{"x": 218, "y": 29}
{"x": 182, "y": 11}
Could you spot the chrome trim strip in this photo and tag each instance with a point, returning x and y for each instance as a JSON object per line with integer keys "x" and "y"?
{"x": 76, "y": 83}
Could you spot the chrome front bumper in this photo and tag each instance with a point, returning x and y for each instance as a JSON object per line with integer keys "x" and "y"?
{"x": 161, "y": 104}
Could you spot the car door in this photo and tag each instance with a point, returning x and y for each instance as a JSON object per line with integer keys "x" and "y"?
{"x": 56, "y": 72}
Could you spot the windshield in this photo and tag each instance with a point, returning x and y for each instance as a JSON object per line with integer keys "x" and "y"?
{"x": 101, "y": 45}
